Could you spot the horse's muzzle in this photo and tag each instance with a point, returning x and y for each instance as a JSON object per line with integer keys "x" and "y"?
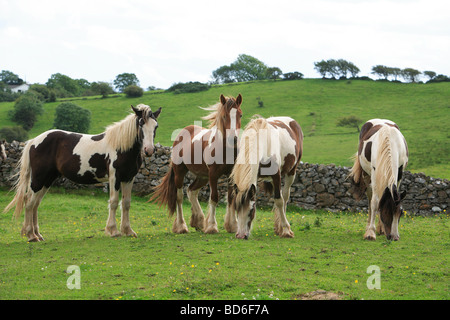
{"x": 240, "y": 236}
{"x": 393, "y": 237}
{"x": 149, "y": 151}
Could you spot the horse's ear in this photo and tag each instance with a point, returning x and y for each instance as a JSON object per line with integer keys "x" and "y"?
{"x": 223, "y": 100}
{"x": 252, "y": 192}
{"x": 402, "y": 195}
{"x": 137, "y": 111}
{"x": 156, "y": 113}
{"x": 239, "y": 100}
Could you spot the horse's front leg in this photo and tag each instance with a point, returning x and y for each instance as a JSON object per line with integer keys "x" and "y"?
{"x": 111, "y": 227}
{"x": 282, "y": 226}
{"x": 230, "y": 216}
{"x": 210, "y": 222}
{"x": 373, "y": 208}
{"x": 125, "y": 227}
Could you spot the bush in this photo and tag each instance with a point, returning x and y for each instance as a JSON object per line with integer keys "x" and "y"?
{"x": 188, "y": 87}
{"x": 133, "y": 91}
{"x": 26, "y": 110}
{"x": 13, "y": 133}
{"x": 72, "y": 117}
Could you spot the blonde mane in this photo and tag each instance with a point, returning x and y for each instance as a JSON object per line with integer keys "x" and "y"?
{"x": 245, "y": 170}
{"x": 122, "y": 135}
{"x": 385, "y": 173}
{"x": 218, "y": 113}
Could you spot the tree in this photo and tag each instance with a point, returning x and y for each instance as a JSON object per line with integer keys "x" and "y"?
{"x": 430, "y": 74}
{"x": 381, "y": 71}
{"x": 65, "y": 85}
{"x": 410, "y": 74}
{"x": 274, "y": 73}
{"x": 353, "y": 69}
{"x": 133, "y": 91}
{"x": 223, "y": 74}
{"x": 350, "y": 121}
{"x": 245, "y": 68}
{"x": 293, "y": 75}
{"x": 101, "y": 88}
{"x": 321, "y": 67}
{"x": 71, "y": 117}
{"x": 124, "y": 80}
{"x": 248, "y": 68}
{"x": 10, "y": 78}
{"x": 26, "y": 110}
{"x": 336, "y": 68}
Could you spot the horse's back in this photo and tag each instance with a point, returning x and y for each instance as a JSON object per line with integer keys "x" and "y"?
{"x": 371, "y": 135}
{"x": 290, "y": 141}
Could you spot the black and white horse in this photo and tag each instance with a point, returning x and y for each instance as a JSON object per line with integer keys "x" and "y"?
{"x": 113, "y": 156}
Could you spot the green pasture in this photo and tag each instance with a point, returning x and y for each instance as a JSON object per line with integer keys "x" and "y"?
{"x": 327, "y": 253}
{"x": 421, "y": 110}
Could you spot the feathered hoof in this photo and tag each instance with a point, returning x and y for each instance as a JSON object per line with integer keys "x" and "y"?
{"x": 287, "y": 234}
{"x": 211, "y": 229}
{"x": 180, "y": 228}
{"x": 370, "y": 235}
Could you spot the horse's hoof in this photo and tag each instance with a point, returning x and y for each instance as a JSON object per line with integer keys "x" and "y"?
{"x": 211, "y": 229}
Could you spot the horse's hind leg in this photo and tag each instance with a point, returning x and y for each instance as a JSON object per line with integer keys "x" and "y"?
{"x": 30, "y": 227}
{"x": 197, "y": 216}
{"x": 111, "y": 227}
{"x": 179, "y": 225}
{"x": 125, "y": 227}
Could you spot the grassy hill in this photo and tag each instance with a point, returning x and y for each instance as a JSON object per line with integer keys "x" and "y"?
{"x": 421, "y": 110}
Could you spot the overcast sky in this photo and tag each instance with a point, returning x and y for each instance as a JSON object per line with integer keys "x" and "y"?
{"x": 164, "y": 42}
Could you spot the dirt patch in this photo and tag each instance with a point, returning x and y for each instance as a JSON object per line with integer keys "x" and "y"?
{"x": 320, "y": 295}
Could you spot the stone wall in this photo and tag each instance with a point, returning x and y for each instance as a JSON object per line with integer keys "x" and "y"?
{"x": 316, "y": 186}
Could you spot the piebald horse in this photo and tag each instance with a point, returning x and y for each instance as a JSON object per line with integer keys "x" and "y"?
{"x": 379, "y": 164}
{"x": 268, "y": 150}
{"x": 208, "y": 153}
{"x": 113, "y": 156}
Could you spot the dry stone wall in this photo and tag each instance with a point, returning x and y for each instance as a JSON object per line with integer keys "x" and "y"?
{"x": 316, "y": 186}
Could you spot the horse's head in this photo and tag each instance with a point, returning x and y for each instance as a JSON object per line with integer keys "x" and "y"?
{"x": 231, "y": 117}
{"x": 245, "y": 204}
{"x": 147, "y": 122}
{"x": 390, "y": 212}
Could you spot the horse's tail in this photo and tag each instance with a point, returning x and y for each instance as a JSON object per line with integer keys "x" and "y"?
{"x": 165, "y": 193}
{"x": 22, "y": 184}
{"x": 356, "y": 176}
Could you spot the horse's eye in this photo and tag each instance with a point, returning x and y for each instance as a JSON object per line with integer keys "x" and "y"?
{"x": 141, "y": 122}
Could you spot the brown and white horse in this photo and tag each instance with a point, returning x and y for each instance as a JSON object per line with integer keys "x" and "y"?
{"x": 208, "y": 153}
{"x": 113, "y": 156}
{"x": 379, "y": 163}
{"x": 268, "y": 149}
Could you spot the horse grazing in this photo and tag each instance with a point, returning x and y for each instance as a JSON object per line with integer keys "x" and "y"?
{"x": 113, "y": 156}
{"x": 377, "y": 170}
{"x": 268, "y": 149}
{"x": 208, "y": 153}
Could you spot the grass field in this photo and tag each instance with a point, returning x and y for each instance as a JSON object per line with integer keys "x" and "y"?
{"x": 327, "y": 253}
{"x": 421, "y": 111}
